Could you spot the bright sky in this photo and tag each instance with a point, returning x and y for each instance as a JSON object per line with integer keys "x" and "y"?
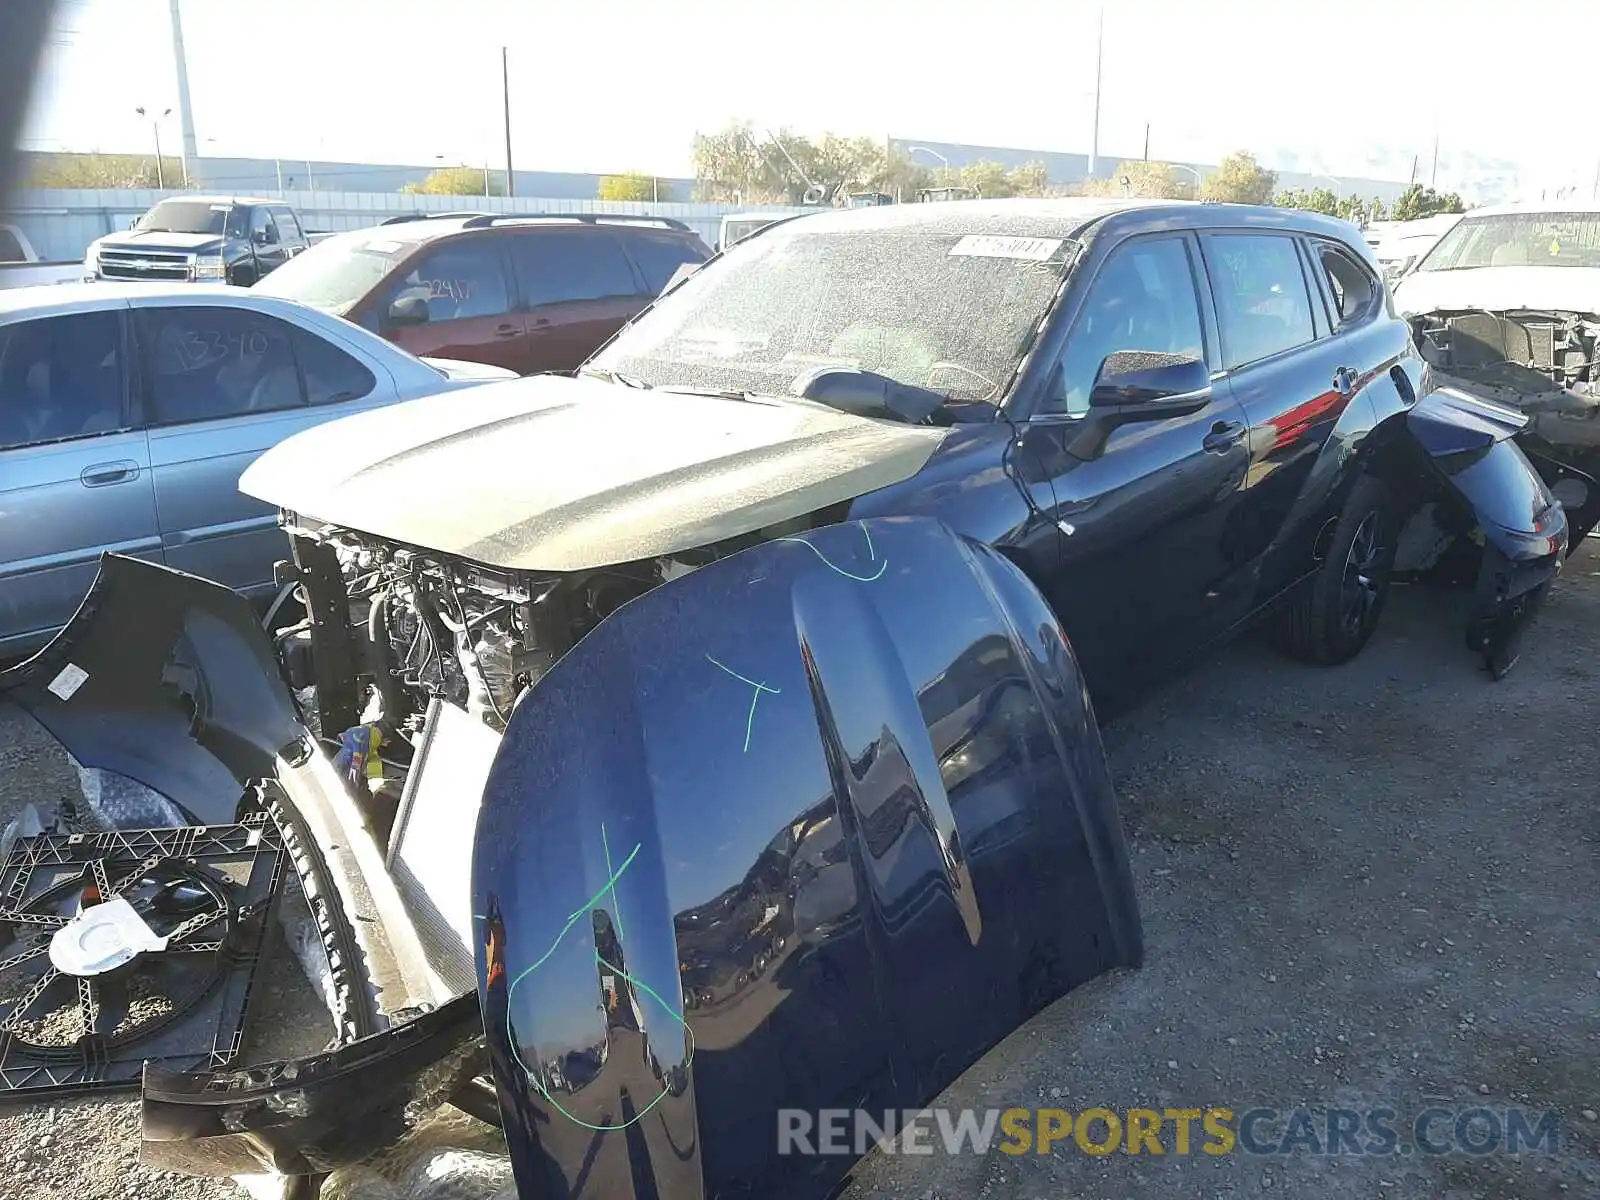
{"x": 624, "y": 84}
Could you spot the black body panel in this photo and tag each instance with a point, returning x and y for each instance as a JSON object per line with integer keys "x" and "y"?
{"x": 811, "y": 827}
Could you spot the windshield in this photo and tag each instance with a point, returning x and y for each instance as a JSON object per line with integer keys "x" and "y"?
{"x": 926, "y": 307}
{"x": 1519, "y": 240}
{"x": 185, "y": 216}
{"x": 335, "y": 273}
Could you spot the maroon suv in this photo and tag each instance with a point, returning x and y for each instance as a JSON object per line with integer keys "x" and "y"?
{"x": 529, "y": 292}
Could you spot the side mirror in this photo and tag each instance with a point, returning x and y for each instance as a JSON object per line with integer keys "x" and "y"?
{"x": 1163, "y": 384}
{"x": 408, "y": 310}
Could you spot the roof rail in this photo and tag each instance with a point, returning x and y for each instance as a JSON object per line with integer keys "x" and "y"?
{"x": 401, "y": 218}
{"x": 485, "y": 220}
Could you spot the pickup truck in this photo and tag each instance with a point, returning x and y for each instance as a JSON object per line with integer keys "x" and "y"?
{"x": 212, "y": 239}
{"x": 20, "y": 265}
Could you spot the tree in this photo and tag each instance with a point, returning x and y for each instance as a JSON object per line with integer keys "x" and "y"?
{"x": 988, "y": 179}
{"x": 1148, "y": 180}
{"x": 1030, "y": 179}
{"x": 459, "y": 181}
{"x": 105, "y": 171}
{"x": 835, "y": 164}
{"x": 629, "y": 186}
{"x": 1239, "y": 179}
{"x": 1417, "y": 202}
{"x": 1321, "y": 200}
{"x": 901, "y": 177}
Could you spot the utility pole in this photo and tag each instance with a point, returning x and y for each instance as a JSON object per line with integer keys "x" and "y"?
{"x": 185, "y": 113}
{"x": 505, "y": 92}
{"x": 1094, "y": 137}
{"x": 1147, "y": 141}
{"x": 1433, "y": 175}
{"x": 155, "y": 128}
{"x": 1413, "y": 178}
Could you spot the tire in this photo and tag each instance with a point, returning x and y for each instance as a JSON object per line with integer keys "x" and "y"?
{"x": 1334, "y": 613}
{"x": 244, "y": 277}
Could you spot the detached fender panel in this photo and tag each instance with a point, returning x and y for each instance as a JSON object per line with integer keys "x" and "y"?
{"x": 812, "y": 827}
{"x": 1471, "y": 446}
{"x": 165, "y": 678}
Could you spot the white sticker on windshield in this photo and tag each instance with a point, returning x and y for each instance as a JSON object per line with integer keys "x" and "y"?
{"x": 68, "y": 680}
{"x": 383, "y": 247}
{"x": 221, "y": 207}
{"x": 984, "y": 245}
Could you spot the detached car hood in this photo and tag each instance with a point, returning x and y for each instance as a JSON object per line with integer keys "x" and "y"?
{"x": 558, "y": 474}
{"x": 158, "y": 240}
{"x": 1496, "y": 289}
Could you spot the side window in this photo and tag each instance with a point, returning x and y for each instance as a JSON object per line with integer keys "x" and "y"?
{"x": 558, "y": 265}
{"x": 1355, "y": 292}
{"x": 331, "y": 376}
{"x": 1263, "y": 307}
{"x": 458, "y": 280}
{"x": 205, "y": 362}
{"x": 288, "y": 225}
{"x": 261, "y": 223}
{"x": 60, "y": 377}
{"x": 659, "y": 258}
{"x": 239, "y": 222}
{"x": 1142, "y": 299}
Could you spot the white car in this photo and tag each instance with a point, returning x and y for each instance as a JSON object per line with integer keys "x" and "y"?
{"x": 128, "y": 412}
{"x": 1507, "y": 305}
{"x": 1404, "y": 243}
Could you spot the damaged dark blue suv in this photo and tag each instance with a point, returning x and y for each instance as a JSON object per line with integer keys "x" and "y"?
{"x": 735, "y": 696}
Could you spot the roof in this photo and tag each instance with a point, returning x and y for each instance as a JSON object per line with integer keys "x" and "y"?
{"x": 1063, "y": 217}
{"x": 50, "y": 298}
{"x": 202, "y": 199}
{"x": 425, "y": 227}
{"x": 1535, "y": 206}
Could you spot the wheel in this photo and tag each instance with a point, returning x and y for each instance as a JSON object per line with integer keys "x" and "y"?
{"x": 1335, "y": 612}
{"x": 244, "y": 277}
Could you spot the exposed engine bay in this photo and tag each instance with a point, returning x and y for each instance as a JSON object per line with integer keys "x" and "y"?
{"x": 424, "y": 624}
{"x": 1541, "y": 361}
{"x": 1545, "y": 362}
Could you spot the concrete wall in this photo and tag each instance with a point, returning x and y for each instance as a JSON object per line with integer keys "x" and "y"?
{"x": 1063, "y": 168}
{"x": 267, "y": 176}
{"x": 62, "y": 223}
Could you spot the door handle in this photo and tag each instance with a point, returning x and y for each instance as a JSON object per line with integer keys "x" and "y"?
{"x": 106, "y": 473}
{"x": 1344, "y": 381}
{"x": 505, "y": 331}
{"x": 539, "y": 322}
{"x": 1223, "y": 435}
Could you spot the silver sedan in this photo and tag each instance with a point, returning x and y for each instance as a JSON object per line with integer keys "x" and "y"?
{"x": 128, "y": 412}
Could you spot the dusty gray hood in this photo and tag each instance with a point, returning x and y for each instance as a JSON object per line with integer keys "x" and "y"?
{"x": 557, "y": 474}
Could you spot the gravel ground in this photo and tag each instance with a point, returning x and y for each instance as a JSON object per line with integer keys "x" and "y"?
{"x": 1367, "y": 887}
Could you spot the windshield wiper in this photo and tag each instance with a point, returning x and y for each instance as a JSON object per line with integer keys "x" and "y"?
{"x": 610, "y": 376}
{"x": 719, "y": 393}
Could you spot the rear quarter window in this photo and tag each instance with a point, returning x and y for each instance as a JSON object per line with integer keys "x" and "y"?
{"x": 1357, "y": 294}
{"x": 659, "y": 256}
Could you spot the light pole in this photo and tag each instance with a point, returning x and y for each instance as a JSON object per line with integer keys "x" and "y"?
{"x": 155, "y": 128}
{"x": 943, "y": 161}
{"x": 1197, "y": 180}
